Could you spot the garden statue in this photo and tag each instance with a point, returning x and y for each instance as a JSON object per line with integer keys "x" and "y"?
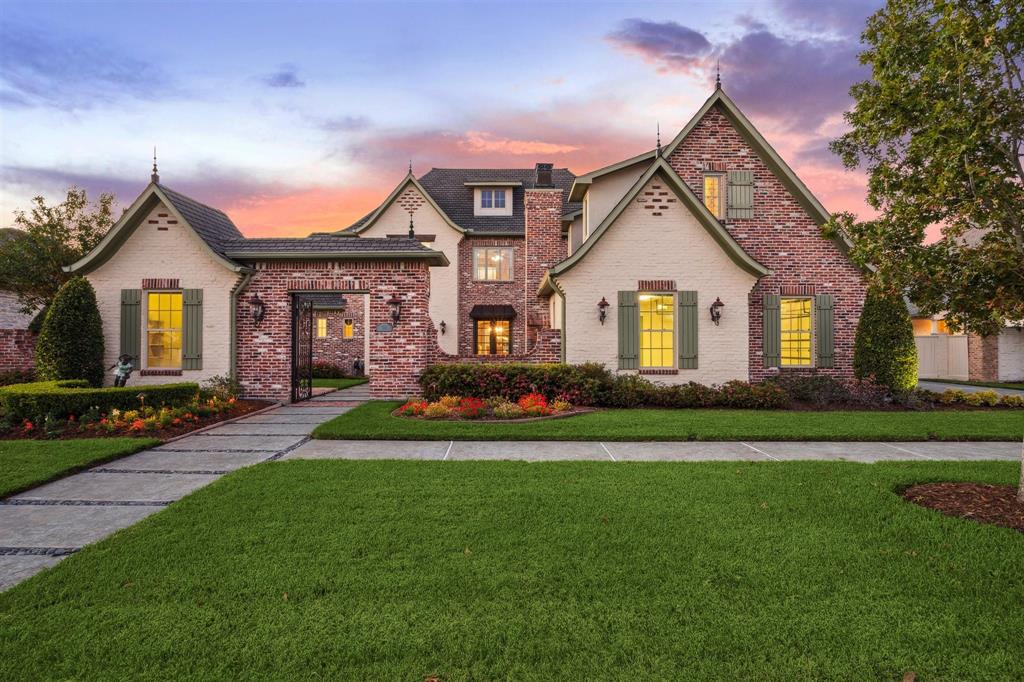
{"x": 123, "y": 369}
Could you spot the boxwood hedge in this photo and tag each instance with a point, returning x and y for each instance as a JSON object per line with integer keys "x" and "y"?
{"x": 74, "y": 397}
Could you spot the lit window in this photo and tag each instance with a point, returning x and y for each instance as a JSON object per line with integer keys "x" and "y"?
{"x": 321, "y": 327}
{"x": 492, "y": 337}
{"x": 943, "y": 328}
{"x": 492, "y": 198}
{"x": 922, "y": 326}
{"x": 348, "y": 329}
{"x": 713, "y": 194}
{"x": 657, "y": 328}
{"x": 163, "y": 330}
{"x": 492, "y": 265}
{"x": 796, "y": 332}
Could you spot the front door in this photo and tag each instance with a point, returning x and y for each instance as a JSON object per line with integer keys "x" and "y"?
{"x": 302, "y": 347}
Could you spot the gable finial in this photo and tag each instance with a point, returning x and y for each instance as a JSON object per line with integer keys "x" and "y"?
{"x": 658, "y": 151}
{"x": 155, "y": 177}
{"x": 412, "y": 230}
{"x": 410, "y": 166}
{"x": 718, "y": 74}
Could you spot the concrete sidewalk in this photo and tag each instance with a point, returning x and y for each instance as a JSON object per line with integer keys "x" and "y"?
{"x": 939, "y": 386}
{"x": 688, "y": 451}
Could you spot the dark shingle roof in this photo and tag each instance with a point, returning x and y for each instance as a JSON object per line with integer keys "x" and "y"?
{"x": 447, "y": 187}
{"x": 320, "y": 242}
{"x": 212, "y": 225}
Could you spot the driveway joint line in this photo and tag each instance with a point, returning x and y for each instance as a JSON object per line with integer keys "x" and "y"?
{"x": 608, "y": 452}
{"x": 38, "y": 551}
{"x": 448, "y": 451}
{"x": 911, "y": 452}
{"x": 775, "y": 459}
{"x": 207, "y": 472}
{"x": 281, "y": 453}
{"x": 251, "y": 452}
{"x": 19, "y": 501}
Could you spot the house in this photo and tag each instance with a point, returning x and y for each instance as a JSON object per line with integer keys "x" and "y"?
{"x": 945, "y": 354}
{"x": 702, "y": 260}
{"x": 17, "y": 341}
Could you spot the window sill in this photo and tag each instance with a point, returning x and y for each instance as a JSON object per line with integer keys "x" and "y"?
{"x": 160, "y": 372}
{"x": 658, "y": 372}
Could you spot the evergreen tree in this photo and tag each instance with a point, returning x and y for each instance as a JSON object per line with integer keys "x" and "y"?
{"x": 70, "y": 345}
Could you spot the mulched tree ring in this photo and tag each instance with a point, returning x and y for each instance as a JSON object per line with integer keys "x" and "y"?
{"x": 995, "y": 504}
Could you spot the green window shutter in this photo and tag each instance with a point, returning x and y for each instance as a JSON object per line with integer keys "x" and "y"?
{"x": 131, "y": 325}
{"x": 629, "y": 330}
{"x": 687, "y": 327}
{"x": 771, "y": 330}
{"x": 825, "y": 329}
{"x": 192, "y": 329}
{"x": 740, "y": 194}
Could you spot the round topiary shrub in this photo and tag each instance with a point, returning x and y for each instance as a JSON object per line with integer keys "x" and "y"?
{"x": 70, "y": 344}
{"x": 884, "y": 347}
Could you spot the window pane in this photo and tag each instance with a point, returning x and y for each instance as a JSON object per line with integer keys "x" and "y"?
{"x": 163, "y": 335}
{"x": 713, "y": 194}
{"x": 499, "y": 198}
{"x": 348, "y": 329}
{"x": 321, "y": 327}
{"x": 485, "y": 199}
{"x": 657, "y": 331}
{"x": 505, "y": 263}
{"x": 796, "y": 332}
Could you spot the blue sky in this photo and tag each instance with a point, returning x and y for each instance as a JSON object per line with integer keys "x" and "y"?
{"x": 302, "y": 116}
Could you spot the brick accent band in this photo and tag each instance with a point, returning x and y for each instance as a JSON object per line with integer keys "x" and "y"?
{"x": 656, "y": 285}
{"x": 796, "y": 290}
{"x": 160, "y": 372}
{"x": 653, "y": 372}
{"x": 161, "y": 284}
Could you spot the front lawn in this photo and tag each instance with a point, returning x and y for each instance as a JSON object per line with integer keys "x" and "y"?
{"x": 27, "y": 463}
{"x": 555, "y": 571}
{"x": 345, "y": 382}
{"x": 373, "y": 421}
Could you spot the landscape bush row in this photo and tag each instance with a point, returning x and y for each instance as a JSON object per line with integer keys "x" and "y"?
{"x": 74, "y": 397}
{"x": 458, "y": 407}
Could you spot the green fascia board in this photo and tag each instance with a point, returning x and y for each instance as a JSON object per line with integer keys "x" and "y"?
{"x": 408, "y": 179}
{"x": 492, "y": 183}
{"x": 582, "y": 182}
{"x": 126, "y": 226}
{"x": 432, "y": 257}
{"x": 689, "y": 199}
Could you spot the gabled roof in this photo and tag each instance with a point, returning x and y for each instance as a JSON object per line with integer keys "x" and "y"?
{"x": 582, "y": 182}
{"x": 343, "y": 246}
{"x": 450, "y": 192}
{"x": 211, "y": 224}
{"x": 715, "y": 228}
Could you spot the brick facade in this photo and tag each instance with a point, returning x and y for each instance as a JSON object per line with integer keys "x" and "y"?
{"x": 781, "y": 235}
{"x": 545, "y": 247}
{"x": 397, "y": 357}
{"x": 983, "y": 357}
{"x": 473, "y": 292}
{"x": 17, "y": 350}
{"x": 335, "y": 349}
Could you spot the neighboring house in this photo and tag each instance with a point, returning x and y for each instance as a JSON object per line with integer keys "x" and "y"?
{"x": 700, "y": 261}
{"x": 943, "y": 354}
{"x": 17, "y": 343}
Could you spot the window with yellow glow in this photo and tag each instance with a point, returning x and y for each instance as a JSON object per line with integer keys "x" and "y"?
{"x": 321, "y": 327}
{"x": 943, "y": 328}
{"x": 657, "y": 331}
{"x": 348, "y": 329}
{"x": 163, "y": 330}
{"x": 713, "y": 194}
{"x": 492, "y": 337}
{"x": 492, "y": 265}
{"x": 796, "y": 332}
{"x": 922, "y": 326}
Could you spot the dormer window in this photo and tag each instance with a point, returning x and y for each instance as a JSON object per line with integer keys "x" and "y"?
{"x": 492, "y": 198}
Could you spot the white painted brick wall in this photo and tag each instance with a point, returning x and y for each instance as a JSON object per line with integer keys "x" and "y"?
{"x": 1011, "y": 355}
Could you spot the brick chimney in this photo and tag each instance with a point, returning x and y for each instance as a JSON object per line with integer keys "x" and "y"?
{"x": 545, "y": 245}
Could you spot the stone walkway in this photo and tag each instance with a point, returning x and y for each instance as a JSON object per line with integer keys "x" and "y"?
{"x": 40, "y": 527}
{"x": 939, "y": 386}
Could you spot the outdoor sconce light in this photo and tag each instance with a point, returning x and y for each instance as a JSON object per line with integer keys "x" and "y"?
{"x": 602, "y": 308}
{"x": 395, "y": 303}
{"x": 716, "y": 310}
{"x": 444, "y": 327}
{"x": 257, "y": 308}
{"x": 342, "y": 304}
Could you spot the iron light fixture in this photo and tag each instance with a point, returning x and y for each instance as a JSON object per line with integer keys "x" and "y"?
{"x": 716, "y": 310}
{"x": 342, "y": 304}
{"x": 257, "y": 308}
{"x": 395, "y": 303}
{"x": 444, "y": 327}
{"x": 602, "y": 308}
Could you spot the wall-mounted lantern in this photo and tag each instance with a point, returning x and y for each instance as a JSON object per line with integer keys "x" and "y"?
{"x": 257, "y": 308}
{"x": 342, "y": 304}
{"x": 444, "y": 327}
{"x": 395, "y": 304}
{"x": 602, "y": 309}
{"x": 716, "y": 310}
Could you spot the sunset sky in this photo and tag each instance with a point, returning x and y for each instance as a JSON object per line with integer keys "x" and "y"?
{"x": 296, "y": 117}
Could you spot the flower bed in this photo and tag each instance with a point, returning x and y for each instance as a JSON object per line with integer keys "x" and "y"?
{"x": 529, "y": 407}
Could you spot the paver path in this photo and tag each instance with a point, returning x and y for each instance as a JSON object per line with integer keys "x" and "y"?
{"x": 939, "y": 386}
{"x": 40, "y": 527}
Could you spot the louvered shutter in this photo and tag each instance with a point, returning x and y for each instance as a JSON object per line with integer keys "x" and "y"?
{"x": 131, "y": 325}
{"x": 740, "y": 194}
{"x": 824, "y": 329}
{"x": 771, "y": 330}
{"x": 629, "y": 330}
{"x": 687, "y": 329}
{"x": 192, "y": 329}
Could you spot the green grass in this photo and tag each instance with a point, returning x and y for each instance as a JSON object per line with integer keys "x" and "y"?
{"x": 987, "y": 384}
{"x": 373, "y": 421}
{"x": 556, "y": 571}
{"x": 28, "y": 463}
{"x": 346, "y": 382}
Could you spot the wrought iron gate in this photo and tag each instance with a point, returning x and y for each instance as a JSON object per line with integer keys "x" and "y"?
{"x": 302, "y": 347}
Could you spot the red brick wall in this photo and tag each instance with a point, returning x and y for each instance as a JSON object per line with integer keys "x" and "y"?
{"x": 545, "y": 246}
{"x": 473, "y": 293}
{"x": 983, "y": 357}
{"x": 17, "y": 349}
{"x": 781, "y": 236}
{"x": 396, "y": 357}
{"x": 336, "y": 349}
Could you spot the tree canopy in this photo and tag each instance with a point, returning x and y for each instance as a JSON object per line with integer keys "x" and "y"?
{"x": 939, "y": 127}
{"x": 48, "y": 238}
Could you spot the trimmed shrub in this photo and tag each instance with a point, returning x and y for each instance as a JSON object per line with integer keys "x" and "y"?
{"x": 884, "y": 349}
{"x": 17, "y": 376}
{"x": 328, "y": 370}
{"x": 73, "y": 398}
{"x": 579, "y": 384}
{"x": 70, "y": 344}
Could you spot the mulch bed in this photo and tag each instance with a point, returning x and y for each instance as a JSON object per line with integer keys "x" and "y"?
{"x": 995, "y": 504}
{"x": 491, "y": 420}
{"x": 240, "y": 409}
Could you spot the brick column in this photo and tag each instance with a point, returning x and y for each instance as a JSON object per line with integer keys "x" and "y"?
{"x": 983, "y": 357}
{"x": 545, "y": 247}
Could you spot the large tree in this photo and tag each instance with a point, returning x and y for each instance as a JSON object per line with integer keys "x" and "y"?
{"x": 48, "y": 238}
{"x": 940, "y": 129}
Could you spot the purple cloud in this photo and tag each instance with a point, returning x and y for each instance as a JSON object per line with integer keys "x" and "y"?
{"x": 671, "y": 45}
{"x": 285, "y": 77}
{"x": 845, "y": 18}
